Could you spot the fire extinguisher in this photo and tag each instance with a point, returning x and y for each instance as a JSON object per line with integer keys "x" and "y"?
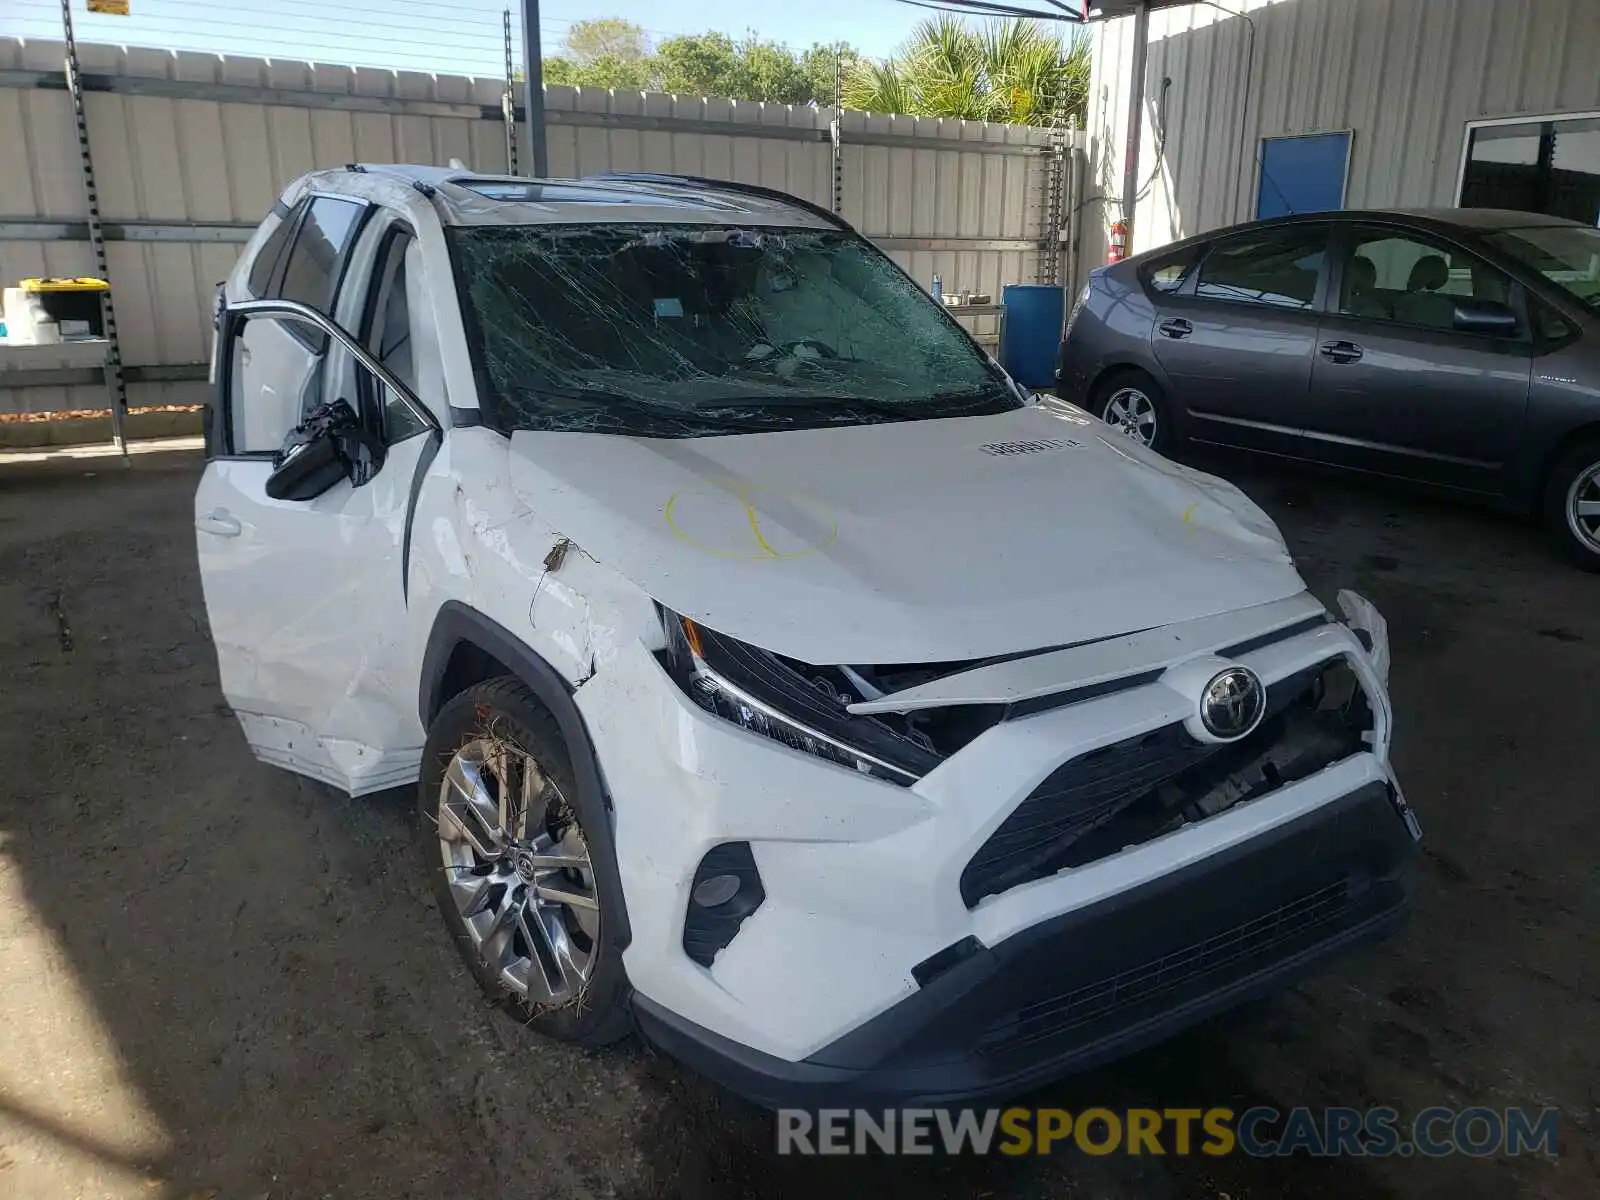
{"x": 1119, "y": 242}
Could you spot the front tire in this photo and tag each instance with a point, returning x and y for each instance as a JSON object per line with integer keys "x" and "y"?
{"x": 500, "y": 826}
{"x": 1133, "y": 403}
{"x": 1572, "y": 504}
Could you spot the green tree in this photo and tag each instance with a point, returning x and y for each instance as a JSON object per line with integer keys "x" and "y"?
{"x": 558, "y": 69}
{"x": 607, "y": 71}
{"x": 1018, "y": 71}
{"x": 606, "y": 39}
{"x": 703, "y": 64}
{"x": 770, "y": 71}
{"x": 699, "y": 64}
{"x": 817, "y": 65}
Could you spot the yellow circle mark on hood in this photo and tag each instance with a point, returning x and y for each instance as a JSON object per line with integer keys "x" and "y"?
{"x": 737, "y": 519}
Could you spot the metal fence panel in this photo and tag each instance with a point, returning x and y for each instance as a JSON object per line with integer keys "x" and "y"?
{"x": 191, "y": 149}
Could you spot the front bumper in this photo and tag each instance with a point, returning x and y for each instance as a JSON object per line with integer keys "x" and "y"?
{"x": 862, "y": 879}
{"x": 1101, "y": 981}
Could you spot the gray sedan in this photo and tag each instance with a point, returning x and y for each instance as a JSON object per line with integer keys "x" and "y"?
{"x": 1457, "y": 348}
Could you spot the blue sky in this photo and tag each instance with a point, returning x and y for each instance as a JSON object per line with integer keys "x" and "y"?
{"x": 461, "y": 36}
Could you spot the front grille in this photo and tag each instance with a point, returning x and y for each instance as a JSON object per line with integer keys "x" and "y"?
{"x": 1134, "y": 790}
{"x": 1203, "y": 965}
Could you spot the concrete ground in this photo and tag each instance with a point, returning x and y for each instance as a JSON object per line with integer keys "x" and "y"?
{"x": 220, "y": 980}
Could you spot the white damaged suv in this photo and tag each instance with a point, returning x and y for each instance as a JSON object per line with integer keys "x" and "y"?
{"x": 778, "y": 678}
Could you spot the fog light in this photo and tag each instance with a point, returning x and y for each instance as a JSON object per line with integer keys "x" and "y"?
{"x": 725, "y": 890}
{"x": 718, "y": 889}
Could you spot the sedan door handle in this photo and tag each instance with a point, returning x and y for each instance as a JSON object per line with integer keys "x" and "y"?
{"x": 1341, "y": 352}
{"x": 1176, "y": 328}
{"x": 220, "y": 522}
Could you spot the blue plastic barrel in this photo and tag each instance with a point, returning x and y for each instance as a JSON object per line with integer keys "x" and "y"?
{"x": 1031, "y": 336}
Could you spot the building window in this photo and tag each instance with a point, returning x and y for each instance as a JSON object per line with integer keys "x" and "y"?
{"x": 1302, "y": 174}
{"x": 1550, "y": 166}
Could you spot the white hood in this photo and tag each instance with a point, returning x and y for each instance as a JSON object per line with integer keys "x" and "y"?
{"x": 909, "y": 542}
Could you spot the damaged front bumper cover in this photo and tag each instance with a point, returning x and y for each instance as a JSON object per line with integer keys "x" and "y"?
{"x": 1102, "y": 981}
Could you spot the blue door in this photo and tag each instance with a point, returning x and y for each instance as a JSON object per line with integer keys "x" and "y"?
{"x": 1302, "y": 174}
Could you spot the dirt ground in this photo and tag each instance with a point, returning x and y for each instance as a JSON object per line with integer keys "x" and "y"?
{"x": 220, "y": 980}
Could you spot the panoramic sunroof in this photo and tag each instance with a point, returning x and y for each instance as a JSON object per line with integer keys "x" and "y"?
{"x": 516, "y": 192}
{"x": 539, "y": 193}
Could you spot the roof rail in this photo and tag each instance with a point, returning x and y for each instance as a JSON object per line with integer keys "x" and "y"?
{"x": 721, "y": 185}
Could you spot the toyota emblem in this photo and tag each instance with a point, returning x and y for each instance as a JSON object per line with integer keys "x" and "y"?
{"x": 1233, "y": 703}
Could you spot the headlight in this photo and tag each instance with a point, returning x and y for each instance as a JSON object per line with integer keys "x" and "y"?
{"x": 772, "y": 696}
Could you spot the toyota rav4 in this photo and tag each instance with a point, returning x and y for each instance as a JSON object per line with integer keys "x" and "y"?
{"x": 778, "y": 678}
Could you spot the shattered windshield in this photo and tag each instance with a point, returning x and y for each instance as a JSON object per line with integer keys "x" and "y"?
{"x": 691, "y": 331}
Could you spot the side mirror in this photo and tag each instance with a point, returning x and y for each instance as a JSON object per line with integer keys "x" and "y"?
{"x": 1484, "y": 316}
{"x": 328, "y": 446}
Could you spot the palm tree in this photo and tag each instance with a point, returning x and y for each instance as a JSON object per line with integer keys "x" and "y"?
{"x": 1019, "y": 71}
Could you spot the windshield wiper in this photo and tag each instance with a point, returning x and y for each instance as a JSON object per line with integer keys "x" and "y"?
{"x": 996, "y": 394}
{"x": 604, "y": 400}
{"x": 901, "y": 410}
{"x": 888, "y": 408}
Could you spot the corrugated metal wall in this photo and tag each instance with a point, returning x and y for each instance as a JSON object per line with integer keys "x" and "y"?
{"x": 191, "y": 149}
{"x": 1404, "y": 76}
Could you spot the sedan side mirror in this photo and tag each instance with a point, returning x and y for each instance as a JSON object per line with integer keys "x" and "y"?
{"x": 1484, "y": 316}
{"x": 328, "y": 446}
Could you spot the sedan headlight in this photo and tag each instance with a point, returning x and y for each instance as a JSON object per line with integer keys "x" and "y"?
{"x": 773, "y": 697}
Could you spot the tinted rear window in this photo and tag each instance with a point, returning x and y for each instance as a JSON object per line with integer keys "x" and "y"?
{"x": 1167, "y": 273}
{"x": 1277, "y": 267}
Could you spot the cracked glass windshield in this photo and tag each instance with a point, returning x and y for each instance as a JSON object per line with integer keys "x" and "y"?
{"x": 692, "y": 331}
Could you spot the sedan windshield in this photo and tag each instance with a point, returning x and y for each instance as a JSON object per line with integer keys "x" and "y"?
{"x": 689, "y": 331}
{"x": 1567, "y": 255}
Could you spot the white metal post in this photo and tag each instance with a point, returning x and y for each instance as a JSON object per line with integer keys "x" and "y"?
{"x": 508, "y": 102}
{"x": 836, "y": 131}
{"x": 116, "y": 384}
{"x": 1130, "y": 169}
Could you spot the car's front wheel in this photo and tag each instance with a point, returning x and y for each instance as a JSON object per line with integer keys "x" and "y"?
{"x": 1572, "y": 504}
{"x": 501, "y": 826}
{"x": 1133, "y": 403}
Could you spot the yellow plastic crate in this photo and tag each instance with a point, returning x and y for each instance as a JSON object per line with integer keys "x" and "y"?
{"x": 37, "y": 284}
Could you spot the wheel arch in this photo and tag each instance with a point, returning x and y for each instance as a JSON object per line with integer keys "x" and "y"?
{"x": 1123, "y": 366}
{"x": 1576, "y": 436}
{"x": 1175, "y": 415}
{"x": 465, "y": 648}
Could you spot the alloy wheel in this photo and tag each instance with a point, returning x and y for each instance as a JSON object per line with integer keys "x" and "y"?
{"x": 1583, "y": 508}
{"x": 519, "y": 873}
{"x": 1133, "y": 412}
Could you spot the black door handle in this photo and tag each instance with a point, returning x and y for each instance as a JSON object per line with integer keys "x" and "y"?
{"x": 1341, "y": 352}
{"x": 1176, "y": 328}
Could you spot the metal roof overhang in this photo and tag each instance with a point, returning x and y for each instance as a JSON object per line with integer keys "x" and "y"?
{"x": 1071, "y": 11}
{"x": 1109, "y": 10}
